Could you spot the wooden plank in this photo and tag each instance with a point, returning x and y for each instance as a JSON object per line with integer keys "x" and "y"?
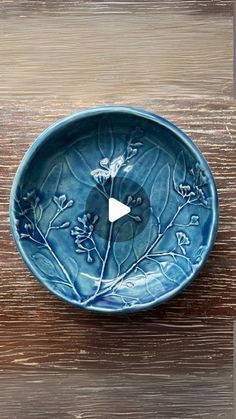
{"x": 98, "y": 52}
{"x": 133, "y": 366}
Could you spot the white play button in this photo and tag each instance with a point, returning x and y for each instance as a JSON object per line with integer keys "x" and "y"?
{"x": 117, "y": 210}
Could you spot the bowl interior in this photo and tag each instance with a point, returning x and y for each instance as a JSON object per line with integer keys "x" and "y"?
{"x": 60, "y": 200}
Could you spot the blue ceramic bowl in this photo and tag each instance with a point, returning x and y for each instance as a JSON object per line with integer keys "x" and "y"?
{"x": 59, "y": 199}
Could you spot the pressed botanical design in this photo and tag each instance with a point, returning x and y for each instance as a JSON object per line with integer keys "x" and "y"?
{"x": 109, "y": 272}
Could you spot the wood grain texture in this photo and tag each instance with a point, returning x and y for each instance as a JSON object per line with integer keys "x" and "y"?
{"x": 171, "y": 57}
{"x": 136, "y": 367}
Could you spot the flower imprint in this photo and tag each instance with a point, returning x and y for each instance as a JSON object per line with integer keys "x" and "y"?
{"x": 29, "y": 213}
{"x": 110, "y": 168}
{"x": 183, "y": 240}
{"x": 83, "y": 236}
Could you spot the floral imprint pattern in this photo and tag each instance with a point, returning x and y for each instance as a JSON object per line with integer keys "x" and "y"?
{"x": 62, "y": 240}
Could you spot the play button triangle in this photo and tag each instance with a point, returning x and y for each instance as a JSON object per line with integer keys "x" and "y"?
{"x": 116, "y": 210}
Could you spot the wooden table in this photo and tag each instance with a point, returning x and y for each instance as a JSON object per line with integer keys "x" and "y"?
{"x": 174, "y": 58}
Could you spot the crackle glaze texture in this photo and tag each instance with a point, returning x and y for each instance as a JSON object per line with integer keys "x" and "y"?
{"x": 103, "y": 149}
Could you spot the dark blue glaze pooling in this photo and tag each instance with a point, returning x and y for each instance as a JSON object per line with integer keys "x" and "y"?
{"x": 57, "y": 238}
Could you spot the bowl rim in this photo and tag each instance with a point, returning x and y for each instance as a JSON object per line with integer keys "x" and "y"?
{"x": 32, "y": 150}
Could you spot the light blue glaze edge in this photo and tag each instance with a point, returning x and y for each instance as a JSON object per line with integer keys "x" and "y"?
{"x": 138, "y": 112}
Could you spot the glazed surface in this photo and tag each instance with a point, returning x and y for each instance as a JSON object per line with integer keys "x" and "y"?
{"x": 65, "y": 236}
